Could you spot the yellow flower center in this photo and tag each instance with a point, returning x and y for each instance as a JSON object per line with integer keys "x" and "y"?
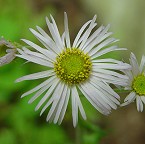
{"x": 139, "y": 85}
{"x": 73, "y": 66}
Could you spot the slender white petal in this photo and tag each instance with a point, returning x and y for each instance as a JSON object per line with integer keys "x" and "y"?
{"x": 105, "y": 51}
{"x": 120, "y": 66}
{"x": 93, "y": 95}
{"x": 135, "y": 66}
{"x": 39, "y": 92}
{"x": 39, "y": 86}
{"x": 102, "y": 45}
{"x": 109, "y": 72}
{"x": 48, "y": 43}
{"x": 79, "y": 103}
{"x": 39, "y": 55}
{"x": 139, "y": 104}
{"x": 80, "y": 33}
{"x": 98, "y": 39}
{"x": 59, "y": 88}
{"x": 130, "y": 97}
{"x": 64, "y": 106}
{"x": 74, "y": 108}
{"x": 113, "y": 95}
{"x": 143, "y": 99}
{"x": 108, "y": 60}
{"x": 54, "y": 35}
{"x": 63, "y": 39}
{"x": 66, "y": 31}
{"x": 87, "y": 33}
{"x": 38, "y": 75}
{"x": 142, "y": 64}
{"x": 92, "y": 38}
{"x": 47, "y": 95}
{"x": 36, "y": 60}
{"x": 57, "y": 33}
{"x": 61, "y": 103}
{"x": 38, "y": 48}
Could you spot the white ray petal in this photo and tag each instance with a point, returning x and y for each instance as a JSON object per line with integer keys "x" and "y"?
{"x": 102, "y": 45}
{"x": 38, "y": 75}
{"x": 110, "y": 79}
{"x": 142, "y": 64}
{"x": 130, "y": 97}
{"x": 84, "y": 36}
{"x": 95, "y": 104}
{"x": 56, "y": 31}
{"x": 66, "y": 31}
{"x": 93, "y": 37}
{"x": 41, "y": 91}
{"x": 39, "y": 86}
{"x": 104, "y": 95}
{"x": 39, "y": 55}
{"x": 74, "y": 108}
{"x": 143, "y": 99}
{"x": 129, "y": 100}
{"x": 94, "y": 43}
{"x": 52, "y": 97}
{"x": 108, "y": 60}
{"x": 130, "y": 75}
{"x": 56, "y": 98}
{"x": 45, "y": 35}
{"x": 109, "y": 72}
{"x": 80, "y": 33}
{"x": 54, "y": 34}
{"x": 134, "y": 64}
{"x": 64, "y": 106}
{"x": 139, "y": 104}
{"x": 80, "y": 106}
{"x": 48, "y": 43}
{"x": 63, "y": 39}
{"x": 60, "y": 105}
{"x": 48, "y": 94}
{"x": 120, "y": 66}
{"x": 36, "y": 60}
{"x": 98, "y": 39}
{"x": 38, "y": 48}
{"x": 93, "y": 92}
{"x": 105, "y": 51}
{"x": 88, "y": 31}
{"x": 106, "y": 88}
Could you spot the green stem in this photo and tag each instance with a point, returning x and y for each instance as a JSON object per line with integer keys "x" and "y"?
{"x": 77, "y": 135}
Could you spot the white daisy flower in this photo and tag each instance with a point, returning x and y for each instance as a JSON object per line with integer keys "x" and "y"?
{"x": 136, "y": 83}
{"x": 74, "y": 69}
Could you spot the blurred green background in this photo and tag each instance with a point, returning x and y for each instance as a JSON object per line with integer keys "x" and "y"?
{"x": 18, "y": 121}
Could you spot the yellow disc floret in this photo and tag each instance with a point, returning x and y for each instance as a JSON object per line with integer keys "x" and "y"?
{"x": 73, "y": 66}
{"x": 139, "y": 85}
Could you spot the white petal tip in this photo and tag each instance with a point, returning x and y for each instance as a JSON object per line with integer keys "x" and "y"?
{"x": 23, "y": 96}
{"x": 29, "y": 102}
{"x": 36, "y": 108}
{"x": 17, "y": 80}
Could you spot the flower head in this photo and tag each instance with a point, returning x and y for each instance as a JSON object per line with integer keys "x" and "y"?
{"x": 136, "y": 82}
{"x": 72, "y": 68}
